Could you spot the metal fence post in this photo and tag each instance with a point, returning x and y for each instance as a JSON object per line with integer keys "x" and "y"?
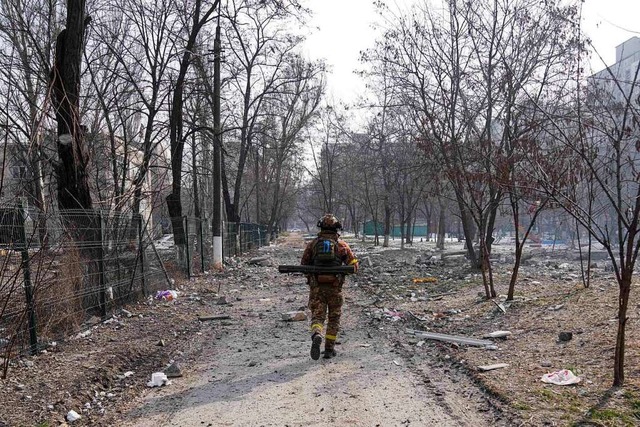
{"x": 103, "y": 290}
{"x": 187, "y": 249}
{"x": 141, "y": 251}
{"x": 28, "y": 287}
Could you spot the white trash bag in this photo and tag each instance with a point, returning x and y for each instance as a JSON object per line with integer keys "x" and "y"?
{"x": 563, "y": 377}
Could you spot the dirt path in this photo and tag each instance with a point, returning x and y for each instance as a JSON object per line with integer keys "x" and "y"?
{"x": 258, "y": 371}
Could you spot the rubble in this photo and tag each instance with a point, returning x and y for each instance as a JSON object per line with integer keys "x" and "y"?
{"x": 450, "y": 338}
{"x": 485, "y": 368}
{"x": 294, "y": 316}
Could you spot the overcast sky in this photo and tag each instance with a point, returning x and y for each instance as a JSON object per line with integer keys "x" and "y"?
{"x": 345, "y": 30}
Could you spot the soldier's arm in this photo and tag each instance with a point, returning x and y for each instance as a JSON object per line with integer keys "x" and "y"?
{"x": 347, "y": 254}
{"x": 307, "y": 254}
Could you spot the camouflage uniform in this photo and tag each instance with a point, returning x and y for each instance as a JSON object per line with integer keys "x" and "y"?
{"x": 325, "y": 291}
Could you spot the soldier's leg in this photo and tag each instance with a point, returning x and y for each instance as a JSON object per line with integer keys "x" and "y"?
{"x": 318, "y": 308}
{"x": 334, "y": 303}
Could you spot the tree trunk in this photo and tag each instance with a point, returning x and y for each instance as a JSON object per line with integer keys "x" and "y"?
{"x": 73, "y": 182}
{"x": 174, "y": 201}
{"x": 469, "y": 230}
{"x": 441, "y": 229}
{"x": 623, "y": 302}
{"x": 387, "y": 224}
{"x": 514, "y": 274}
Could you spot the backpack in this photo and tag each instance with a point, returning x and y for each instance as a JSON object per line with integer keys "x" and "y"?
{"x": 325, "y": 252}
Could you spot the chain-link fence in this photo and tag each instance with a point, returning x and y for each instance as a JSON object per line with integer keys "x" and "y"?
{"x": 199, "y": 245}
{"x": 243, "y": 237}
{"x": 197, "y": 256}
{"x": 59, "y": 269}
{"x": 55, "y": 270}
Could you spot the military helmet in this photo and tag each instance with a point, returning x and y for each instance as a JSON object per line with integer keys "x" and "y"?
{"x": 329, "y": 222}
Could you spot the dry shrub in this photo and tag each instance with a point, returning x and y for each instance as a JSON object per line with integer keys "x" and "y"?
{"x": 12, "y": 304}
{"x": 173, "y": 270}
{"x": 59, "y": 293}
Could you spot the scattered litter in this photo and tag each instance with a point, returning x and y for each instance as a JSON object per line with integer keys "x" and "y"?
{"x": 365, "y": 345}
{"x": 205, "y": 317}
{"x": 264, "y": 299}
{"x": 500, "y": 306}
{"x": 425, "y": 280}
{"x": 556, "y": 307}
{"x": 169, "y": 295}
{"x": 294, "y": 316}
{"x": 158, "y": 379}
{"x": 73, "y": 416}
{"x": 421, "y": 319}
{"x": 563, "y": 377}
{"x": 393, "y": 315}
{"x": 450, "y": 338}
{"x": 498, "y": 334}
{"x": 485, "y": 368}
{"x": 84, "y": 334}
{"x": 397, "y": 363}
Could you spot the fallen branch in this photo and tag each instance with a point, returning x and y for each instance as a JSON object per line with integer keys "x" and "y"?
{"x": 421, "y": 319}
{"x": 214, "y": 317}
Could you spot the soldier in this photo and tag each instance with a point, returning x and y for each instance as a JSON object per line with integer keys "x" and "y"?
{"x": 325, "y": 290}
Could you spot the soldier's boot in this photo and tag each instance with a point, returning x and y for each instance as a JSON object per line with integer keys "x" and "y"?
{"x": 316, "y": 341}
{"x": 329, "y": 348}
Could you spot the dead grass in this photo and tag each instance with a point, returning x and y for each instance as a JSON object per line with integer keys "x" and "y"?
{"x": 59, "y": 296}
{"x": 544, "y": 307}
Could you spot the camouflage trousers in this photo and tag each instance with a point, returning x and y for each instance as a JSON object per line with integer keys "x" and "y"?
{"x": 325, "y": 300}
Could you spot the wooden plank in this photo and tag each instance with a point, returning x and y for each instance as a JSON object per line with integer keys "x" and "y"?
{"x": 451, "y": 338}
{"x": 485, "y": 368}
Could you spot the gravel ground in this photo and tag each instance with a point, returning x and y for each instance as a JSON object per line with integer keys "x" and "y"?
{"x": 253, "y": 369}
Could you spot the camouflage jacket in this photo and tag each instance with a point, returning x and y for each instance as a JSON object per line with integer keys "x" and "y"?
{"x": 344, "y": 251}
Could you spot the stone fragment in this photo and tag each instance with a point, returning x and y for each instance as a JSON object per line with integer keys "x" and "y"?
{"x": 498, "y": 334}
{"x": 73, "y": 416}
{"x": 294, "y": 316}
{"x": 565, "y": 336}
{"x": 173, "y": 371}
{"x": 485, "y": 368}
{"x": 263, "y": 261}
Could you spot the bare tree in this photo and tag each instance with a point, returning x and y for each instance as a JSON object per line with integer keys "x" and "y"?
{"x": 199, "y": 16}
{"x": 463, "y": 72}
{"x": 603, "y": 141}
{"x": 292, "y": 109}
{"x": 27, "y": 31}
{"x": 258, "y": 48}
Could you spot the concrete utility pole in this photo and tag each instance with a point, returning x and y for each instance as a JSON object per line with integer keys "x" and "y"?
{"x": 217, "y": 144}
